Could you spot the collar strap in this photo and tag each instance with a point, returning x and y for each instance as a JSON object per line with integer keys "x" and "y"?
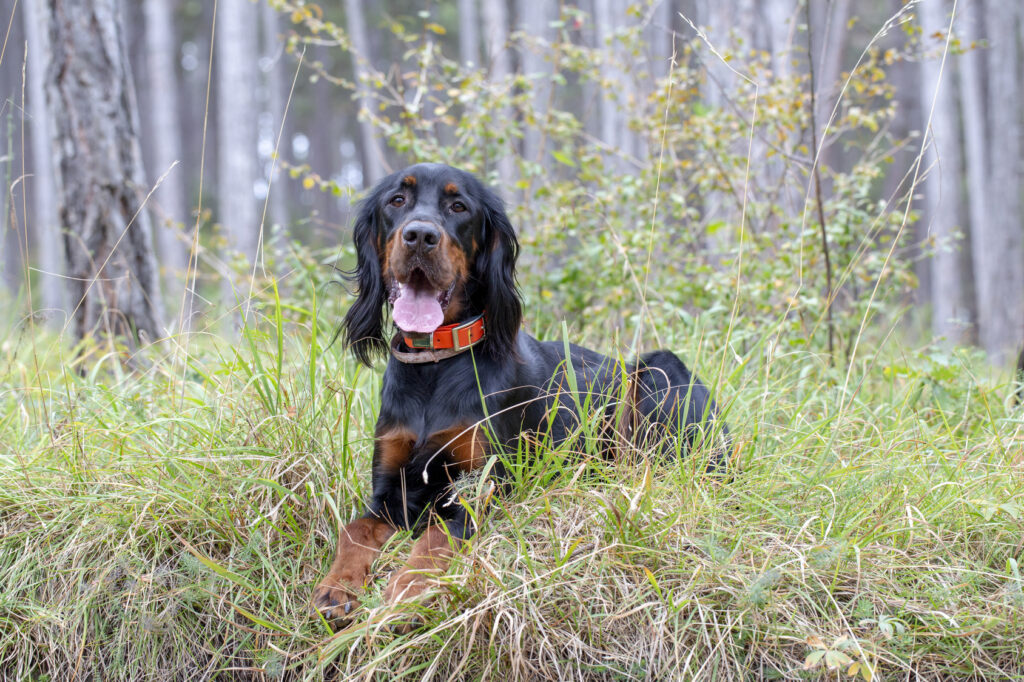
{"x": 444, "y": 342}
{"x": 457, "y": 337}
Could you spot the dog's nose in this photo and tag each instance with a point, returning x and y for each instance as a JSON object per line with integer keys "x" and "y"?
{"x": 421, "y": 236}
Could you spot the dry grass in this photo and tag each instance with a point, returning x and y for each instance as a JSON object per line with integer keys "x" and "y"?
{"x": 170, "y": 524}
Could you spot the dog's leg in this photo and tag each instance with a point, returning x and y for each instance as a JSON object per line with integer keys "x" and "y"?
{"x": 358, "y": 544}
{"x": 428, "y": 559}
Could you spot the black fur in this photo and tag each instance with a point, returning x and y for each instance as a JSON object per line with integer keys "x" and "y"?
{"x": 525, "y": 382}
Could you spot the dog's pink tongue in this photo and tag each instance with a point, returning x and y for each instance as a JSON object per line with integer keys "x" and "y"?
{"x": 417, "y": 310}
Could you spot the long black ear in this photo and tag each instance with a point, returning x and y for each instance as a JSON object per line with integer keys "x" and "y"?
{"x": 496, "y": 270}
{"x": 364, "y": 321}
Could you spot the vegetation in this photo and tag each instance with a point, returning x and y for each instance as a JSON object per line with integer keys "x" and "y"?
{"x": 170, "y": 520}
{"x": 175, "y": 520}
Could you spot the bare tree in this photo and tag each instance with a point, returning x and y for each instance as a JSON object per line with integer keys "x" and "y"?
{"x": 495, "y": 21}
{"x": 972, "y": 74}
{"x": 999, "y": 243}
{"x": 373, "y": 158}
{"x": 99, "y": 176}
{"x": 169, "y": 204}
{"x": 272, "y": 61}
{"x": 469, "y": 32}
{"x": 534, "y": 22}
{"x": 609, "y": 15}
{"x": 235, "y": 45}
{"x": 44, "y": 220}
{"x": 951, "y": 314}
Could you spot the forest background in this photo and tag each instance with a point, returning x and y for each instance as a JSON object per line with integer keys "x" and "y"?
{"x": 817, "y": 203}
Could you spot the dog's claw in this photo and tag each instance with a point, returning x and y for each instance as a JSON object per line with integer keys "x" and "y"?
{"x": 334, "y": 604}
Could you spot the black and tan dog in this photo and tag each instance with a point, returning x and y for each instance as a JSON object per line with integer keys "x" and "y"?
{"x": 462, "y": 379}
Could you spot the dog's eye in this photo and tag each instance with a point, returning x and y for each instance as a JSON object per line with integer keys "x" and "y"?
{"x": 397, "y": 200}
{"x": 458, "y": 207}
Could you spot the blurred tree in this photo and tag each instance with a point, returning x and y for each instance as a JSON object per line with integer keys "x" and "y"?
{"x": 950, "y": 274}
{"x": 495, "y": 22}
{"x": 112, "y": 273}
{"x": 169, "y": 204}
{"x": 535, "y": 18}
{"x": 999, "y": 242}
{"x": 469, "y": 32}
{"x": 236, "y": 58}
{"x": 373, "y": 157}
{"x": 276, "y": 88}
{"x": 43, "y": 221}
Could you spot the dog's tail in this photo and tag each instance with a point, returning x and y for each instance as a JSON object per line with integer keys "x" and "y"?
{"x": 668, "y": 398}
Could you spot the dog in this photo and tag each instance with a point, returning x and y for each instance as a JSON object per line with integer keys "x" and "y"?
{"x": 463, "y": 381}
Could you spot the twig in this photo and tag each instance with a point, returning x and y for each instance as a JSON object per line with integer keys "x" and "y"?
{"x": 817, "y": 192}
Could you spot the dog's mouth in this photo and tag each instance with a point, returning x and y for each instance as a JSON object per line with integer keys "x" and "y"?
{"x": 417, "y": 305}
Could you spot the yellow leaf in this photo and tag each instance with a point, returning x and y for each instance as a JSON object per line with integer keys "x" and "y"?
{"x": 436, "y": 28}
{"x": 308, "y": 182}
{"x": 815, "y": 641}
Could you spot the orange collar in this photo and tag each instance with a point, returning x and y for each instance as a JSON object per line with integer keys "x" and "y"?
{"x": 457, "y": 337}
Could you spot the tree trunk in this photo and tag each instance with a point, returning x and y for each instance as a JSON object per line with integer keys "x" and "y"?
{"x": 615, "y": 132}
{"x": 495, "y": 21}
{"x": 534, "y": 19}
{"x": 168, "y": 205}
{"x": 373, "y": 158}
{"x": 44, "y": 221}
{"x": 999, "y": 248}
{"x": 99, "y": 176}
{"x": 277, "y": 91}
{"x": 235, "y": 44}
{"x": 972, "y": 107}
{"x": 951, "y": 317}
{"x": 469, "y": 33}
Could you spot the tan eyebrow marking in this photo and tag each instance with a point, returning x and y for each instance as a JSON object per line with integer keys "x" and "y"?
{"x": 409, "y": 180}
{"x": 451, "y": 188}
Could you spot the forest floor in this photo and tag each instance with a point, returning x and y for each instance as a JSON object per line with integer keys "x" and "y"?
{"x": 170, "y": 523}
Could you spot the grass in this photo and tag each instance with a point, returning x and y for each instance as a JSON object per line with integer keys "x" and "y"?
{"x": 170, "y": 524}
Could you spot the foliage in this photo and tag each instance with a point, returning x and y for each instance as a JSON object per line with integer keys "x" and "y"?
{"x": 625, "y": 240}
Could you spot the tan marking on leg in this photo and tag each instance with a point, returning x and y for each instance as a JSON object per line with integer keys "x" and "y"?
{"x": 392, "y": 449}
{"x": 466, "y": 443}
{"x": 428, "y": 559}
{"x": 358, "y": 544}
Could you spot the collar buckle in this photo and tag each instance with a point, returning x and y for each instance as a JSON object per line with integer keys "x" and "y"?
{"x": 457, "y": 344}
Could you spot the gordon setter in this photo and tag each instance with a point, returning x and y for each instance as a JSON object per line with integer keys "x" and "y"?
{"x": 463, "y": 380}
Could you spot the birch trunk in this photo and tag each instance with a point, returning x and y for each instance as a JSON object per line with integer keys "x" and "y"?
{"x": 235, "y": 45}
{"x": 44, "y": 220}
{"x": 469, "y": 33}
{"x": 999, "y": 248}
{"x": 951, "y": 315}
{"x": 168, "y": 204}
{"x": 495, "y": 22}
{"x": 373, "y": 157}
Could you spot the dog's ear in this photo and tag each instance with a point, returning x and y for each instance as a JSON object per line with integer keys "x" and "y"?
{"x": 364, "y": 321}
{"x": 496, "y": 270}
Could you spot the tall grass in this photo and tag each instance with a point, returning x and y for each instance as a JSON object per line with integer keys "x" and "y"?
{"x": 170, "y": 524}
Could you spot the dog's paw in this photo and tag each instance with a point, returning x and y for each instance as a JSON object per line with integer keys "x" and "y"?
{"x": 406, "y": 593}
{"x": 406, "y": 585}
{"x": 334, "y": 602}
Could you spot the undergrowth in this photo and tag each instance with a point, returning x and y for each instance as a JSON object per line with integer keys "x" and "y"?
{"x": 169, "y": 523}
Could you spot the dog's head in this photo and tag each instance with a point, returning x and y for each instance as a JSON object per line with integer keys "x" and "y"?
{"x": 436, "y": 245}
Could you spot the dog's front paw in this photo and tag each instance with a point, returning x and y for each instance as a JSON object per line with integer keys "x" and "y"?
{"x": 405, "y": 588}
{"x": 405, "y": 585}
{"x": 334, "y": 602}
